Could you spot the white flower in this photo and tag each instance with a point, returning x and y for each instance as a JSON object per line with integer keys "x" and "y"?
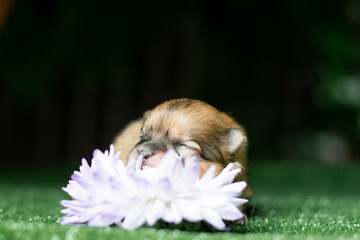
{"x": 109, "y": 193}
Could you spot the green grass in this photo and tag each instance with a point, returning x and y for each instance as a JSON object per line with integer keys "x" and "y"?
{"x": 297, "y": 200}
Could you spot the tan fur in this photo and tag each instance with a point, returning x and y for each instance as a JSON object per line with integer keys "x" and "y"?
{"x": 127, "y": 138}
{"x": 191, "y": 127}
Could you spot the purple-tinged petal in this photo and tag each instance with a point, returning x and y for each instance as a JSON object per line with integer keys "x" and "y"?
{"x": 238, "y": 201}
{"x": 139, "y": 162}
{"x": 155, "y": 211}
{"x": 169, "y": 163}
{"x": 231, "y": 190}
{"x": 229, "y": 212}
{"x": 84, "y": 168}
{"x": 190, "y": 175}
{"x": 191, "y": 211}
{"x": 173, "y": 214}
{"x": 164, "y": 190}
{"x": 210, "y": 173}
{"x": 134, "y": 217}
{"x": 70, "y": 219}
{"x": 214, "y": 219}
{"x": 131, "y": 166}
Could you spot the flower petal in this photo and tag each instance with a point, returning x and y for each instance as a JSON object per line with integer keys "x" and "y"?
{"x": 214, "y": 219}
{"x": 134, "y": 217}
{"x": 155, "y": 212}
{"x": 173, "y": 214}
{"x": 164, "y": 190}
{"x": 192, "y": 211}
{"x": 210, "y": 173}
{"x": 229, "y": 212}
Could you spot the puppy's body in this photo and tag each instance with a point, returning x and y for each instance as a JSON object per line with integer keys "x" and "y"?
{"x": 190, "y": 127}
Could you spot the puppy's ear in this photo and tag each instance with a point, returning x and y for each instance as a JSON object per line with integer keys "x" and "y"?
{"x": 236, "y": 140}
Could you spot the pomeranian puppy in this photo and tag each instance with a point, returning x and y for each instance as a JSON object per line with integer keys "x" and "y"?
{"x": 190, "y": 127}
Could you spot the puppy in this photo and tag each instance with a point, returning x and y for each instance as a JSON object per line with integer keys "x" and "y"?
{"x": 190, "y": 127}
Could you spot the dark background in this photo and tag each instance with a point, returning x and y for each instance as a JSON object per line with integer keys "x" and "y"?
{"x": 73, "y": 73}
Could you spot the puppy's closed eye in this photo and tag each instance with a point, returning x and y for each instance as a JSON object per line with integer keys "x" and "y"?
{"x": 187, "y": 148}
{"x": 188, "y": 144}
{"x": 192, "y": 145}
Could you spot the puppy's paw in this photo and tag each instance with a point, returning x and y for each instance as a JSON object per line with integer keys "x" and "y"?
{"x": 240, "y": 222}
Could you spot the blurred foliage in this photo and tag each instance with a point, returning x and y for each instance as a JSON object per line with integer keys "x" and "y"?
{"x": 288, "y": 71}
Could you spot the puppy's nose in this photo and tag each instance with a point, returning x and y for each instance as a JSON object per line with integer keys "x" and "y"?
{"x": 145, "y": 154}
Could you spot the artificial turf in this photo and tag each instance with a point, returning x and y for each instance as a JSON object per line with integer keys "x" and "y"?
{"x": 295, "y": 199}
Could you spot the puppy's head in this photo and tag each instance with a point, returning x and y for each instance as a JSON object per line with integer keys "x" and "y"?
{"x": 190, "y": 127}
